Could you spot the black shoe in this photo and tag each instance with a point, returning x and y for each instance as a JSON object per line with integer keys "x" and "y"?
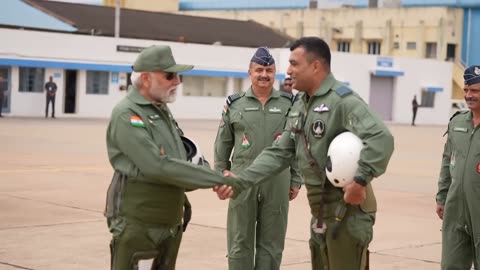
{"x": 53, "y": 116}
{"x": 1, "y": 116}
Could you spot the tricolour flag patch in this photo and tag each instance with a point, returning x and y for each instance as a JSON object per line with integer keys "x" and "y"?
{"x": 245, "y": 142}
{"x": 136, "y": 121}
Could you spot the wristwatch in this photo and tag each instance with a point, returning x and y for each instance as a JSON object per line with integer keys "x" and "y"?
{"x": 360, "y": 180}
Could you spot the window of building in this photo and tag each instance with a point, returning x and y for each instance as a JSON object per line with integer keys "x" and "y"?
{"x": 97, "y": 82}
{"x": 343, "y": 46}
{"x": 31, "y": 79}
{"x": 431, "y": 50}
{"x": 411, "y": 45}
{"x": 428, "y": 99}
{"x": 396, "y": 45}
{"x": 373, "y": 47}
{"x": 205, "y": 86}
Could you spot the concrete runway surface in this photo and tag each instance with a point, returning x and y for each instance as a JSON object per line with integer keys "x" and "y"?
{"x": 54, "y": 174}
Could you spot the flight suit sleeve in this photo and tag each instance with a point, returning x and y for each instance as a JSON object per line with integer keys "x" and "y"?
{"x": 445, "y": 178}
{"x": 153, "y": 164}
{"x": 377, "y": 139}
{"x": 224, "y": 143}
{"x": 270, "y": 162}
{"x": 296, "y": 180}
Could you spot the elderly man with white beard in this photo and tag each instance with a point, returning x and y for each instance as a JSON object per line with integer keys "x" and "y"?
{"x": 146, "y": 198}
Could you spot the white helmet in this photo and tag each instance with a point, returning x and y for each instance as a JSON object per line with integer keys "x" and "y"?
{"x": 193, "y": 152}
{"x": 342, "y": 158}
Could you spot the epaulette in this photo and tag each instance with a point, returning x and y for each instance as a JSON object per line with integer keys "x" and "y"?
{"x": 343, "y": 91}
{"x": 456, "y": 113}
{"x": 287, "y": 95}
{"x": 232, "y": 98}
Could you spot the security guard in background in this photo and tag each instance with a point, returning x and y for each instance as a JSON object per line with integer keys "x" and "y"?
{"x": 146, "y": 197}
{"x": 341, "y": 227}
{"x": 252, "y": 120}
{"x": 458, "y": 197}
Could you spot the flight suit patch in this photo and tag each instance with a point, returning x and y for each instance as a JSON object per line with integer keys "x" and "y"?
{"x": 321, "y": 108}
{"x": 245, "y": 142}
{"x": 251, "y": 109}
{"x": 136, "y": 121}
{"x": 460, "y": 129}
{"x": 478, "y": 167}
{"x": 318, "y": 128}
{"x": 275, "y": 110}
{"x": 452, "y": 161}
{"x": 277, "y": 136}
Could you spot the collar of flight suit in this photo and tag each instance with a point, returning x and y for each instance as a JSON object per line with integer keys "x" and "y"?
{"x": 326, "y": 85}
{"x": 135, "y": 96}
{"x": 273, "y": 94}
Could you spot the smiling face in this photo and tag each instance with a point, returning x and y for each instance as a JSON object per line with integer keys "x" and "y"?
{"x": 472, "y": 97}
{"x": 261, "y": 76}
{"x": 306, "y": 71}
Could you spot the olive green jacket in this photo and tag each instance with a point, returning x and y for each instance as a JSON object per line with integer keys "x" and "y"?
{"x": 460, "y": 170}
{"x": 144, "y": 144}
{"x": 247, "y": 128}
{"x": 333, "y": 109}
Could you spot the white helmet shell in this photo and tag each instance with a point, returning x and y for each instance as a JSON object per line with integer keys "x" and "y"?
{"x": 193, "y": 152}
{"x": 342, "y": 158}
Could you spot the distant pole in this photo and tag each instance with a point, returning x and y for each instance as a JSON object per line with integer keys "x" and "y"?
{"x": 117, "y": 18}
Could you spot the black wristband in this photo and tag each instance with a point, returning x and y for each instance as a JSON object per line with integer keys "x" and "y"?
{"x": 360, "y": 180}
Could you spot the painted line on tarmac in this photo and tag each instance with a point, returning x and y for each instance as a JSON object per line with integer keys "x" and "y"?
{"x": 53, "y": 224}
{"x": 72, "y": 169}
{"x": 16, "y": 266}
{"x": 52, "y": 203}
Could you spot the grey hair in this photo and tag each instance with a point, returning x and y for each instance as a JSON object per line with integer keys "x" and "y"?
{"x": 136, "y": 79}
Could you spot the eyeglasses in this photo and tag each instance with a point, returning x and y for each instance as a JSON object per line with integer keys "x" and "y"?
{"x": 287, "y": 84}
{"x": 170, "y": 75}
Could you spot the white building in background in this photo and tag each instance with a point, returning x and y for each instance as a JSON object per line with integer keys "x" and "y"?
{"x": 92, "y": 71}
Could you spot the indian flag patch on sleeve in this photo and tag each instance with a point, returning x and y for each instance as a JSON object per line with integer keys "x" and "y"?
{"x": 136, "y": 121}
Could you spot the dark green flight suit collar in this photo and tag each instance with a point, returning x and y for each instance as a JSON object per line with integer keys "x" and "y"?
{"x": 326, "y": 85}
{"x": 273, "y": 93}
{"x": 135, "y": 96}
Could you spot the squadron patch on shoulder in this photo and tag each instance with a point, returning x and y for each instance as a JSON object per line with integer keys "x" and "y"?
{"x": 478, "y": 167}
{"x": 318, "y": 128}
{"x": 277, "y": 136}
{"x": 136, "y": 121}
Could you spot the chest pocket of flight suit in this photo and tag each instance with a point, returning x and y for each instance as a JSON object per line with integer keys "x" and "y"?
{"x": 243, "y": 137}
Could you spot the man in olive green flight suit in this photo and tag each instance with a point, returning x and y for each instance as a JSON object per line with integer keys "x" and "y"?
{"x": 146, "y": 197}
{"x": 257, "y": 218}
{"x": 342, "y": 220}
{"x": 458, "y": 197}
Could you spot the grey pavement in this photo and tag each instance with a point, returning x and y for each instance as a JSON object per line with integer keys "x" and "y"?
{"x": 54, "y": 174}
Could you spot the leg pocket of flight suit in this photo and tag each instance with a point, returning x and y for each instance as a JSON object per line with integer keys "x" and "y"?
{"x": 360, "y": 225}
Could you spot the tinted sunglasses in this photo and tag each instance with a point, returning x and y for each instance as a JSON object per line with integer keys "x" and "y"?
{"x": 287, "y": 84}
{"x": 170, "y": 75}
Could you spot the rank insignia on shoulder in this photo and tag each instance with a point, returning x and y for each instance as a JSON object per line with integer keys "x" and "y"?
{"x": 232, "y": 98}
{"x": 457, "y": 113}
{"x": 287, "y": 95}
{"x": 343, "y": 91}
{"x": 136, "y": 121}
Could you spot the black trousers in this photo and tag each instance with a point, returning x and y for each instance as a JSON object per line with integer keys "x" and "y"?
{"x": 52, "y": 100}
{"x": 414, "y": 116}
